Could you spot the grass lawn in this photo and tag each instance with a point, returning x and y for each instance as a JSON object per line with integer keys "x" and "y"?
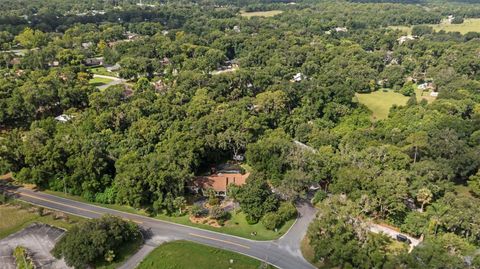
{"x": 186, "y": 255}
{"x": 380, "y": 102}
{"x": 469, "y": 25}
{"x": 102, "y": 71}
{"x": 270, "y": 13}
{"x": 237, "y": 225}
{"x": 14, "y": 219}
{"x": 99, "y": 81}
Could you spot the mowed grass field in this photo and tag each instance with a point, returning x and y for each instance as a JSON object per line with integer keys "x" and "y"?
{"x": 469, "y": 25}
{"x": 186, "y": 255}
{"x": 99, "y": 81}
{"x": 380, "y": 102}
{"x": 269, "y": 13}
{"x": 14, "y": 219}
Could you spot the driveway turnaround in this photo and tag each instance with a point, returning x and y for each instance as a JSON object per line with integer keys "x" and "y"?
{"x": 282, "y": 253}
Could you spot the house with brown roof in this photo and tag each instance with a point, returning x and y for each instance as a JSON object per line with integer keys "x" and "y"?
{"x": 218, "y": 181}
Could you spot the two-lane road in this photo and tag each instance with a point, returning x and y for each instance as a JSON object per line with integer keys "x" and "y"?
{"x": 283, "y": 253}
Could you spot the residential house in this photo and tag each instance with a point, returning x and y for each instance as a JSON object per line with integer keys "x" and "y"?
{"x": 94, "y": 61}
{"x": 218, "y": 180}
{"x": 405, "y": 38}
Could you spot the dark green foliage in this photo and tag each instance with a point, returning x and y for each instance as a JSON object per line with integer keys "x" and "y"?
{"x": 272, "y": 220}
{"x": 256, "y": 199}
{"x": 320, "y": 195}
{"x": 90, "y": 241}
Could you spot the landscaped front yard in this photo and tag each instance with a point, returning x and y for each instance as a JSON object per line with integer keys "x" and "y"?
{"x": 186, "y": 255}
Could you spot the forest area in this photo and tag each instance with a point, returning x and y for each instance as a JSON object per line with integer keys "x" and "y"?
{"x": 296, "y": 76}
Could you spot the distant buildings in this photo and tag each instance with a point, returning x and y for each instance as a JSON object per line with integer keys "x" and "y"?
{"x": 405, "y": 38}
{"x": 298, "y": 77}
{"x": 63, "y": 118}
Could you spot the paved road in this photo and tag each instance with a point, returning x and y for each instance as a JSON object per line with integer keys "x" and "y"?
{"x": 115, "y": 81}
{"x": 283, "y": 253}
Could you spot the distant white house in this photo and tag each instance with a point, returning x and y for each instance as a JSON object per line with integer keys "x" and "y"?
{"x": 426, "y": 86}
{"x": 405, "y": 38}
{"x": 63, "y": 118}
{"x": 236, "y": 29}
{"x": 298, "y": 77}
{"x": 113, "y": 68}
{"x": 450, "y": 18}
{"x": 87, "y": 45}
{"x": 341, "y": 29}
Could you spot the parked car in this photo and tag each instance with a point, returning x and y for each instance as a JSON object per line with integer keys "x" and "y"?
{"x": 403, "y": 238}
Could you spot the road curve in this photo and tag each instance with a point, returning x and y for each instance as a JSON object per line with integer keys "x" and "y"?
{"x": 282, "y": 253}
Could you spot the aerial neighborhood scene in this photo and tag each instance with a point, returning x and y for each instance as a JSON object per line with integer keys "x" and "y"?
{"x": 239, "y": 134}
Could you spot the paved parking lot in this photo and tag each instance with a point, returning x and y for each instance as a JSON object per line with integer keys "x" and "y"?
{"x": 38, "y": 239}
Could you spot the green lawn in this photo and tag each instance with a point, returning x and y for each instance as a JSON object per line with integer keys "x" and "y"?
{"x": 14, "y": 219}
{"x": 380, "y": 102}
{"x": 99, "y": 81}
{"x": 237, "y": 225}
{"x": 469, "y": 25}
{"x": 186, "y": 255}
{"x": 102, "y": 71}
{"x": 270, "y": 13}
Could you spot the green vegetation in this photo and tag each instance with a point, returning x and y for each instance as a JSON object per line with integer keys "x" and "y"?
{"x": 236, "y": 225}
{"x": 103, "y": 242}
{"x": 99, "y": 81}
{"x": 18, "y": 215}
{"x": 102, "y": 71}
{"x": 21, "y": 258}
{"x": 380, "y": 102}
{"x": 469, "y": 25}
{"x": 269, "y": 13}
{"x": 288, "y": 111}
{"x": 185, "y": 255}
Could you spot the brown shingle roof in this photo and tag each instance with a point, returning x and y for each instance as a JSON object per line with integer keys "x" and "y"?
{"x": 220, "y": 181}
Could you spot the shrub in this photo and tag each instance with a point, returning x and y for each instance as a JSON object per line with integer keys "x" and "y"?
{"x": 319, "y": 196}
{"x": 272, "y": 220}
{"x": 287, "y": 211}
{"x": 3, "y": 198}
{"x": 217, "y": 213}
{"x": 197, "y": 211}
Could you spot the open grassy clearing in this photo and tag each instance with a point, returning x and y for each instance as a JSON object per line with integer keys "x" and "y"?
{"x": 380, "y": 102}
{"x": 269, "y": 13}
{"x": 99, "y": 81}
{"x": 237, "y": 225}
{"x": 469, "y": 25}
{"x": 16, "y": 217}
{"x": 186, "y": 255}
{"x": 102, "y": 71}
